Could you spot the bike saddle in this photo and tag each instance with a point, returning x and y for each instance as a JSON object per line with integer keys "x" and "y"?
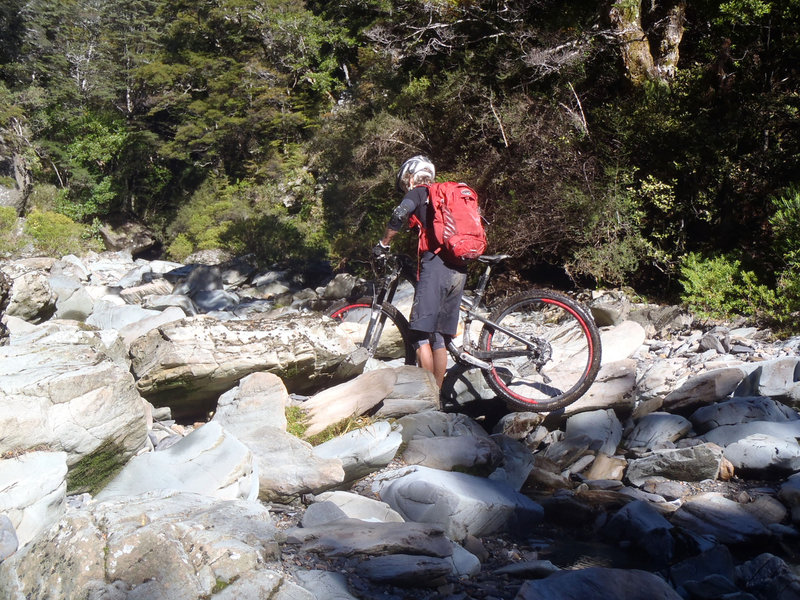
{"x": 492, "y": 259}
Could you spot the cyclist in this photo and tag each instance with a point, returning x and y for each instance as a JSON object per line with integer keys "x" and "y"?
{"x": 435, "y": 311}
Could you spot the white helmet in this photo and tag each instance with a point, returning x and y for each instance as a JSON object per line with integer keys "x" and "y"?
{"x": 416, "y": 165}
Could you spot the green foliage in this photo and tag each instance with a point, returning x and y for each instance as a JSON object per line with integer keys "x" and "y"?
{"x": 786, "y": 245}
{"x": 295, "y": 421}
{"x": 92, "y": 472}
{"x": 340, "y": 428}
{"x": 180, "y": 248}
{"x": 208, "y": 214}
{"x": 9, "y": 240}
{"x": 611, "y": 243}
{"x": 57, "y": 235}
{"x": 275, "y": 222}
{"x": 744, "y": 11}
{"x": 785, "y": 222}
{"x": 46, "y": 197}
{"x": 719, "y": 287}
{"x": 296, "y": 116}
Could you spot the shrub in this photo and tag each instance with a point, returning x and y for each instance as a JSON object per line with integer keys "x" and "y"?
{"x": 9, "y": 239}
{"x": 719, "y": 287}
{"x": 786, "y": 245}
{"x": 46, "y": 197}
{"x": 53, "y": 233}
{"x": 274, "y": 222}
{"x": 209, "y": 213}
{"x": 180, "y": 248}
{"x": 785, "y": 233}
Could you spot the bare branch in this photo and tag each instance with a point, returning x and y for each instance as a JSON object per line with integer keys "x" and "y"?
{"x": 499, "y": 122}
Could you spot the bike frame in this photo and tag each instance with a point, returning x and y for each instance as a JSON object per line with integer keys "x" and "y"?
{"x": 384, "y": 293}
{"x": 468, "y": 352}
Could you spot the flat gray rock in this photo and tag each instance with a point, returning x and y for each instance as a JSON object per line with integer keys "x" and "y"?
{"x": 657, "y": 429}
{"x": 705, "y": 388}
{"x": 208, "y": 461}
{"x": 722, "y": 519}
{"x": 461, "y": 504}
{"x": 325, "y": 585}
{"x": 728, "y": 434}
{"x": 741, "y": 410}
{"x": 346, "y": 537}
{"x": 598, "y": 583}
{"x": 695, "y": 463}
{"x": 406, "y": 570}
{"x": 764, "y": 454}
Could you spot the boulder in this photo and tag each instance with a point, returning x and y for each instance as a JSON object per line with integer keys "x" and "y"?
{"x": 601, "y": 426}
{"x": 363, "y": 450}
{"x": 9, "y": 542}
{"x": 789, "y": 494}
{"x": 346, "y": 537}
{"x": 621, "y": 341}
{"x": 187, "y": 364}
{"x": 771, "y": 378}
{"x": 729, "y": 434}
{"x": 613, "y": 389}
{"x": 769, "y": 576}
{"x": 353, "y": 506}
{"x": 695, "y": 463}
{"x": 64, "y": 387}
{"x": 346, "y": 400}
{"x": 764, "y": 456}
{"x": 706, "y": 388}
{"x": 657, "y": 430}
{"x": 643, "y": 527}
{"x": 207, "y": 461}
{"x": 31, "y": 298}
{"x": 158, "y": 545}
{"x": 255, "y": 413}
{"x": 741, "y": 410}
{"x": 462, "y": 504}
{"x": 288, "y": 467}
{"x": 598, "y": 583}
{"x": 724, "y": 520}
{"x": 34, "y": 491}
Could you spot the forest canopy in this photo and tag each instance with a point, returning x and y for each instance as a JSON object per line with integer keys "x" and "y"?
{"x": 654, "y": 145}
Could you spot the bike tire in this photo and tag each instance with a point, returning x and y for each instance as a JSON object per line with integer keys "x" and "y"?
{"x": 357, "y": 313}
{"x": 569, "y": 333}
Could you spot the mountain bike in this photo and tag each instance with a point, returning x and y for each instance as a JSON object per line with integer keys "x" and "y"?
{"x": 539, "y": 350}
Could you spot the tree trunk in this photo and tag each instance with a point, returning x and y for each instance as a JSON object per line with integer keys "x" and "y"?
{"x": 643, "y": 61}
{"x": 671, "y": 39}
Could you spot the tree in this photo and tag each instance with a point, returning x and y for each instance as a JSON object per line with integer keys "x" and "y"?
{"x": 648, "y": 39}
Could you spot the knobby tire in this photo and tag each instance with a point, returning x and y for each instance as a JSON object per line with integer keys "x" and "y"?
{"x": 356, "y": 311}
{"x": 568, "y": 334}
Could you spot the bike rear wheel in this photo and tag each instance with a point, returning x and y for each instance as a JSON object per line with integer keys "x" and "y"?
{"x": 566, "y": 362}
{"x": 391, "y": 339}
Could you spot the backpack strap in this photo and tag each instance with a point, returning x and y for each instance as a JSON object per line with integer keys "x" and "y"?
{"x": 425, "y": 236}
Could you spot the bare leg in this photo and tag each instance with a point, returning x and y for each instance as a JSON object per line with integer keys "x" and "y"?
{"x": 434, "y": 361}
{"x": 425, "y": 357}
{"x": 439, "y": 365}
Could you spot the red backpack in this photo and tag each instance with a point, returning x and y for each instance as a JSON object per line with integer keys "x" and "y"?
{"x": 456, "y": 230}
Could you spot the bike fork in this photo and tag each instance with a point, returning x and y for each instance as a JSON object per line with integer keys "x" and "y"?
{"x": 376, "y": 317}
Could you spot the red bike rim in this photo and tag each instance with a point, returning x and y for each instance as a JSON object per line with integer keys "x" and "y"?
{"x": 589, "y": 362}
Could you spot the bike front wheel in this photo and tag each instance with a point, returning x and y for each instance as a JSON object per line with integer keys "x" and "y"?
{"x": 389, "y": 339}
{"x": 555, "y": 364}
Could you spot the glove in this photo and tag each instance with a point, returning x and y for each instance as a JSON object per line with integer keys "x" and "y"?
{"x": 380, "y": 251}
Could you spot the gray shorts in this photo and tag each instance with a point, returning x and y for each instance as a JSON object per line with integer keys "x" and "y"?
{"x": 438, "y": 296}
